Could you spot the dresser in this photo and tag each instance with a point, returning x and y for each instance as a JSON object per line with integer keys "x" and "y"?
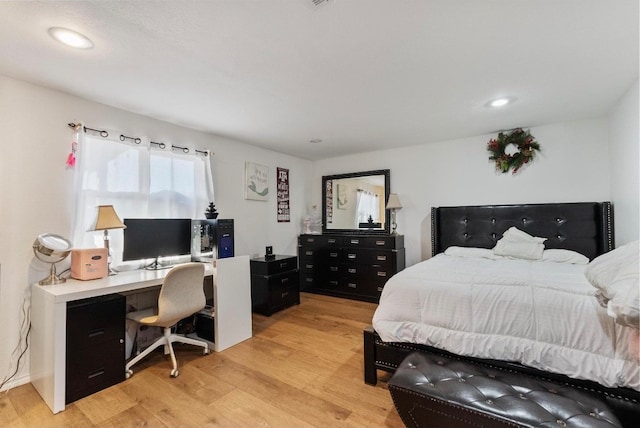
{"x": 274, "y": 283}
{"x": 353, "y": 266}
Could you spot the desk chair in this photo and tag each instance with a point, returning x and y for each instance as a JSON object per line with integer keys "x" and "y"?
{"x": 181, "y": 295}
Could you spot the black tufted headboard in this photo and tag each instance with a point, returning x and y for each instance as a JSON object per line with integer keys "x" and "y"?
{"x": 585, "y": 227}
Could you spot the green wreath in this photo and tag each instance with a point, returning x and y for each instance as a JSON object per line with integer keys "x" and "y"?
{"x": 523, "y": 140}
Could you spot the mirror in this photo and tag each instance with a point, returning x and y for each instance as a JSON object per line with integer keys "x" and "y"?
{"x": 355, "y": 202}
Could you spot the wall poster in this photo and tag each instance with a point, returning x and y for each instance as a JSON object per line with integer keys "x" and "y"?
{"x": 284, "y": 213}
{"x": 329, "y": 201}
{"x": 256, "y": 184}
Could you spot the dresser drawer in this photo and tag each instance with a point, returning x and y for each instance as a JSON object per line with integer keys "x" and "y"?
{"x": 385, "y": 242}
{"x": 315, "y": 241}
{"x": 274, "y": 266}
{"x": 368, "y": 257}
{"x": 376, "y": 275}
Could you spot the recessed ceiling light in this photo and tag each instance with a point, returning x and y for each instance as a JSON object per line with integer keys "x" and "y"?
{"x": 70, "y": 38}
{"x": 499, "y": 102}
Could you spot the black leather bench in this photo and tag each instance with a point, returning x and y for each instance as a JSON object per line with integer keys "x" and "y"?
{"x": 434, "y": 391}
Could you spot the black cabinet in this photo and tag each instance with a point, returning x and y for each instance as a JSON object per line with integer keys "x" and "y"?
{"x": 352, "y": 266}
{"x": 95, "y": 345}
{"x": 274, "y": 283}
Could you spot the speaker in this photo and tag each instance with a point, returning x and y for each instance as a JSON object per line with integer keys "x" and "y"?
{"x": 211, "y": 239}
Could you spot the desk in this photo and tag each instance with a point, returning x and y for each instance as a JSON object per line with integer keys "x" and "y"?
{"x": 231, "y": 301}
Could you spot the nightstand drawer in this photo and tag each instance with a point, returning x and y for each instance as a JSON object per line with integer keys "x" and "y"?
{"x": 273, "y": 266}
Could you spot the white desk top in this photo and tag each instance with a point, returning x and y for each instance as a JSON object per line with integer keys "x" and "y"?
{"x": 74, "y": 289}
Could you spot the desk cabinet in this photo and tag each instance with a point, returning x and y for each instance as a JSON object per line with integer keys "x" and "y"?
{"x": 95, "y": 345}
{"x": 274, "y": 284}
{"x": 351, "y": 266}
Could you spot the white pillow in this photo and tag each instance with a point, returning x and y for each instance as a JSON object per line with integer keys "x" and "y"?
{"x": 513, "y": 234}
{"x": 564, "y": 256}
{"x": 471, "y": 252}
{"x": 616, "y": 275}
{"x": 519, "y": 250}
{"x": 520, "y": 245}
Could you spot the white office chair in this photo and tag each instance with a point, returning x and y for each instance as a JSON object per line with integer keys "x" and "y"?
{"x": 181, "y": 295}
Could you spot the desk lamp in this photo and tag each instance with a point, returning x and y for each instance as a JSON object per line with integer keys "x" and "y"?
{"x": 393, "y": 204}
{"x": 108, "y": 219}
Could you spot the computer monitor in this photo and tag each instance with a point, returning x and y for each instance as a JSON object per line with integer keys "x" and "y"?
{"x": 151, "y": 238}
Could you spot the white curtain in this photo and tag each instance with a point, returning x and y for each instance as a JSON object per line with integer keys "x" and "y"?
{"x": 140, "y": 182}
{"x": 367, "y": 204}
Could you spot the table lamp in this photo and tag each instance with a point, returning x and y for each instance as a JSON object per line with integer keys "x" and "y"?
{"x": 393, "y": 204}
{"x": 108, "y": 219}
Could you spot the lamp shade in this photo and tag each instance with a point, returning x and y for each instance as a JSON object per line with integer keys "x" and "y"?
{"x": 108, "y": 219}
{"x": 393, "y": 202}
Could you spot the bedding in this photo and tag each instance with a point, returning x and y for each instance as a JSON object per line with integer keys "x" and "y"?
{"x": 538, "y": 313}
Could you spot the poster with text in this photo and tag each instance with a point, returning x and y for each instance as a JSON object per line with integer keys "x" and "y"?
{"x": 256, "y": 186}
{"x": 284, "y": 212}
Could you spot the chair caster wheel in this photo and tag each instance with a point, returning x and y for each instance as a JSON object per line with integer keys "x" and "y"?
{"x": 175, "y": 373}
{"x": 128, "y": 374}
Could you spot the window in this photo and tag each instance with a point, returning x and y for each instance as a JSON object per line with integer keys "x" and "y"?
{"x": 140, "y": 181}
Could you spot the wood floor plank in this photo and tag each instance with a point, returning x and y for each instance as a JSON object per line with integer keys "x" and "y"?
{"x": 302, "y": 368}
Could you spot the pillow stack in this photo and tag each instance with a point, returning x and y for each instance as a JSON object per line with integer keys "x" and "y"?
{"x": 616, "y": 275}
{"x": 518, "y": 244}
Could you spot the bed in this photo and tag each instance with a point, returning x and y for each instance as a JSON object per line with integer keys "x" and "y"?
{"x": 585, "y": 228}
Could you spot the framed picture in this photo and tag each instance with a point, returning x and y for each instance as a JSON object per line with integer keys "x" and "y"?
{"x": 256, "y": 182}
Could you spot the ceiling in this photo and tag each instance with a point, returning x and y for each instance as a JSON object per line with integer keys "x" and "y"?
{"x": 360, "y": 75}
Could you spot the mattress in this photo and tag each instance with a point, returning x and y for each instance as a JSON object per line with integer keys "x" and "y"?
{"x": 540, "y": 314}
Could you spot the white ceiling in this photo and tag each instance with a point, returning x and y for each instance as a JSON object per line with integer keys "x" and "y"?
{"x": 359, "y": 74}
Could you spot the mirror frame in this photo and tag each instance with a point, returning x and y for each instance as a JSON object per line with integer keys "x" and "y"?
{"x": 387, "y": 185}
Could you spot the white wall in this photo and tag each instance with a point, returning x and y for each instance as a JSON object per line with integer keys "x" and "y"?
{"x": 624, "y": 140}
{"x": 572, "y": 167}
{"x": 36, "y": 187}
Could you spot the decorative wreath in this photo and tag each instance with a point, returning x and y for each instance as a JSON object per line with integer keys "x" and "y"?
{"x": 523, "y": 140}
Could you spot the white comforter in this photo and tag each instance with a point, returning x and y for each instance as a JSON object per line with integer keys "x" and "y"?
{"x": 541, "y": 314}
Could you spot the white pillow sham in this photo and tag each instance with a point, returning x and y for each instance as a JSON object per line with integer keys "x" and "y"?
{"x": 519, "y": 250}
{"x": 616, "y": 275}
{"x": 470, "y": 252}
{"x": 520, "y": 245}
{"x": 564, "y": 256}
{"x": 513, "y": 234}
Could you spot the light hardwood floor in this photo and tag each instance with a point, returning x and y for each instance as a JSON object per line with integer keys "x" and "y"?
{"x": 301, "y": 368}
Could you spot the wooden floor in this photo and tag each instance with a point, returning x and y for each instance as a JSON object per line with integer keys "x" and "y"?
{"x": 301, "y": 368}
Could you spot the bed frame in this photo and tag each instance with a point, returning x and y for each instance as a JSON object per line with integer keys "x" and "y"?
{"x": 583, "y": 227}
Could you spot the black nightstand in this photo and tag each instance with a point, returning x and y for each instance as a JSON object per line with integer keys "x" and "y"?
{"x": 274, "y": 283}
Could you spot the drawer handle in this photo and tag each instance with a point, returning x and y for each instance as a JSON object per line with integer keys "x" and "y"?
{"x": 333, "y": 282}
{"x": 333, "y": 254}
{"x": 355, "y": 241}
{"x": 331, "y": 241}
{"x": 308, "y": 279}
{"x": 333, "y": 268}
{"x": 382, "y": 258}
{"x": 382, "y": 273}
{"x": 283, "y": 265}
{"x": 352, "y": 270}
{"x": 95, "y": 373}
{"x": 308, "y": 266}
{"x": 96, "y": 333}
{"x": 380, "y": 242}
{"x": 351, "y": 256}
{"x": 352, "y": 285}
{"x": 311, "y": 239}
{"x": 380, "y": 289}
{"x": 309, "y": 253}
{"x": 285, "y": 294}
{"x": 283, "y": 280}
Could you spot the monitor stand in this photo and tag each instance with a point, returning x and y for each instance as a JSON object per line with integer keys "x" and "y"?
{"x": 157, "y": 266}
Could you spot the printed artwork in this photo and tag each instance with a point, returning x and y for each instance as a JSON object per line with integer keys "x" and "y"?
{"x": 284, "y": 214}
{"x": 256, "y": 186}
{"x": 329, "y": 201}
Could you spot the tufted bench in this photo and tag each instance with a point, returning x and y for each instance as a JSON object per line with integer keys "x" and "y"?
{"x": 434, "y": 391}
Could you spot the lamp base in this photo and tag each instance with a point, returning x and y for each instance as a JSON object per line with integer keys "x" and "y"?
{"x": 52, "y": 280}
